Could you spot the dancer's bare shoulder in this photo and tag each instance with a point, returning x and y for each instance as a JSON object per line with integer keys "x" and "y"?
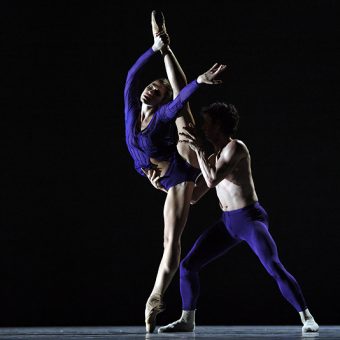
{"x": 234, "y": 151}
{"x": 240, "y": 145}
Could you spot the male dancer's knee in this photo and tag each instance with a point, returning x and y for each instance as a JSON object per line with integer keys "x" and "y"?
{"x": 188, "y": 266}
{"x": 275, "y": 269}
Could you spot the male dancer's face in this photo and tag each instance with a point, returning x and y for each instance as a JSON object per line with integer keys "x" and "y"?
{"x": 208, "y": 127}
{"x": 153, "y": 94}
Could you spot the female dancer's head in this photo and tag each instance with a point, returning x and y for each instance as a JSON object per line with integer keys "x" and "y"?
{"x": 157, "y": 93}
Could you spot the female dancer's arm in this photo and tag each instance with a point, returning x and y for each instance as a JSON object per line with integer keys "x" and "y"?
{"x": 131, "y": 90}
{"x": 132, "y": 105}
{"x": 170, "y": 111}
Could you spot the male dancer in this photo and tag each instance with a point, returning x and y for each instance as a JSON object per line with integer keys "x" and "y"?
{"x": 243, "y": 218}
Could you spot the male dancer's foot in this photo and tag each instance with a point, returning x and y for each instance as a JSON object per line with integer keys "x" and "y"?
{"x": 185, "y": 324}
{"x": 309, "y": 324}
{"x": 157, "y": 23}
{"x": 153, "y": 307}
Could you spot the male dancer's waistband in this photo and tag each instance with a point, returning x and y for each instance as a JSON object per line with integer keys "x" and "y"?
{"x": 244, "y": 209}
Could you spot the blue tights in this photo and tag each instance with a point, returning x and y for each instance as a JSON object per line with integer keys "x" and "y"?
{"x": 249, "y": 224}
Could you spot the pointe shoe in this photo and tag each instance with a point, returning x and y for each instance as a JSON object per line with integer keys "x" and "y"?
{"x": 153, "y": 307}
{"x": 310, "y": 326}
{"x": 157, "y": 22}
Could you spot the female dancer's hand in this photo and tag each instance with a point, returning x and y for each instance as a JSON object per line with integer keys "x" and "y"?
{"x": 153, "y": 176}
{"x": 161, "y": 41}
{"x": 210, "y": 76}
{"x": 193, "y": 137}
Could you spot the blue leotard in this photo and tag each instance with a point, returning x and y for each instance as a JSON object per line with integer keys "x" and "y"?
{"x": 159, "y": 139}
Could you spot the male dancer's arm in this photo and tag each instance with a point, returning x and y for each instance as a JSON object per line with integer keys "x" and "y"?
{"x": 201, "y": 187}
{"x": 230, "y": 155}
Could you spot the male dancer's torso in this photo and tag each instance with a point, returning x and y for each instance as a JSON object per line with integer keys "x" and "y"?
{"x": 237, "y": 190}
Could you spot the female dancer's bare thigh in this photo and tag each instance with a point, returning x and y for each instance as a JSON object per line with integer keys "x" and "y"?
{"x": 176, "y": 209}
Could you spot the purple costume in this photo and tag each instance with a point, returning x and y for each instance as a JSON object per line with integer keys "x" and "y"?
{"x": 249, "y": 224}
{"x": 159, "y": 139}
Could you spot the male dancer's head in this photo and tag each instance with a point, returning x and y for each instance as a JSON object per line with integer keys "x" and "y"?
{"x": 220, "y": 121}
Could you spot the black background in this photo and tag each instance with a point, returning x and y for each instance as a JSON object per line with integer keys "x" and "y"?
{"x": 81, "y": 231}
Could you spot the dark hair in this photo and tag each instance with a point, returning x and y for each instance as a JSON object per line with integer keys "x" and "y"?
{"x": 169, "y": 92}
{"x": 223, "y": 114}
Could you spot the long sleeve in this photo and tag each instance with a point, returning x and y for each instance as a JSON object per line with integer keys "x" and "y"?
{"x": 131, "y": 94}
{"x": 169, "y": 111}
{"x": 132, "y": 109}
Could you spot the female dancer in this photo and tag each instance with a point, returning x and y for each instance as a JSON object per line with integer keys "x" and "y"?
{"x": 151, "y": 137}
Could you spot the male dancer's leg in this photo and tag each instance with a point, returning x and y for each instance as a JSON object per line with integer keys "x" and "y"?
{"x": 263, "y": 245}
{"x": 213, "y": 243}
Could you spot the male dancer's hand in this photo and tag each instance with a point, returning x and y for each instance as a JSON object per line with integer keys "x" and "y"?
{"x": 153, "y": 176}
{"x": 193, "y": 137}
{"x": 210, "y": 76}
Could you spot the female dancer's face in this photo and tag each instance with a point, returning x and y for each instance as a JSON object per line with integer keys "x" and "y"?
{"x": 154, "y": 94}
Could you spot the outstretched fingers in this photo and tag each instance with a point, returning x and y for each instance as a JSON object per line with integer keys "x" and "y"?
{"x": 212, "y": 69}
{"x": 218, "y": 69}
{"x": 216, "y": 72}
{"x": 221, "y": 68}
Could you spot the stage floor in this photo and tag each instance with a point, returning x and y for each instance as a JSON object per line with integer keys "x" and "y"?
{"x": 137, "y": 332}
